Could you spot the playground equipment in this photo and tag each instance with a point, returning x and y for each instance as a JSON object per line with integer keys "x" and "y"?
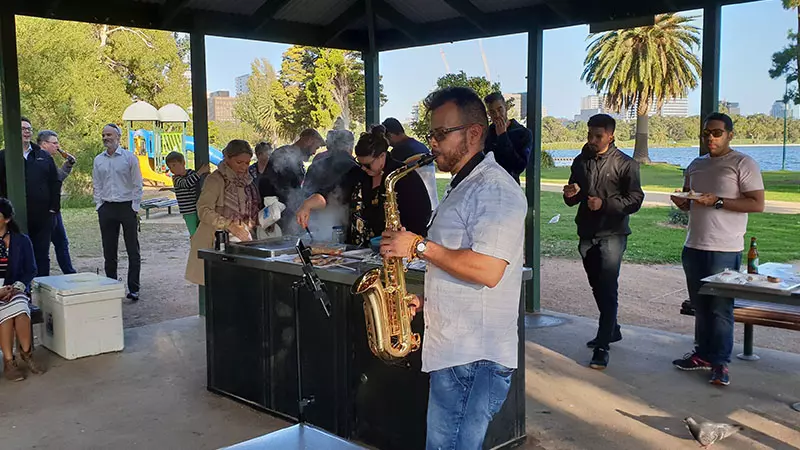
{"x": 168, "y": 134}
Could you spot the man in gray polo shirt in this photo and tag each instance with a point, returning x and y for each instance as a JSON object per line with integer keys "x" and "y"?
{"x": 474, "y": 270}
{"x": 731, "y": 186}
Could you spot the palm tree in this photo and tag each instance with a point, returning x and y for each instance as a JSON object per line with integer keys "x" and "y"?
{"x": 637, "y": 67}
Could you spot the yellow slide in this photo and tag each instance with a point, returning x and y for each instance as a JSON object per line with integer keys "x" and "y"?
{"x": 150, "y": 174}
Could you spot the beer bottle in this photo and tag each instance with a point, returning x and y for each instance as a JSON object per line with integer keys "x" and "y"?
{"x": 752, "y": 257}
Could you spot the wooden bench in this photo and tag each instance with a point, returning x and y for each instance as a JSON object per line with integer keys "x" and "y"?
{"x": 156, "y": 203}
{"x": 750, "y": 313}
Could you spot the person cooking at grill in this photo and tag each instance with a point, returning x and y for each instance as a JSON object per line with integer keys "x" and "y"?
{"x": 285, "y": 173}
{"x": 374, "y": 165}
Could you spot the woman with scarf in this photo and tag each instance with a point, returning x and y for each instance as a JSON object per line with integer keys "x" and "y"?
{"x": 229, "y": 201}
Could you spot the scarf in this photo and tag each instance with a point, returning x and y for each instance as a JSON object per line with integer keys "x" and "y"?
{"x": 240, "y": 197}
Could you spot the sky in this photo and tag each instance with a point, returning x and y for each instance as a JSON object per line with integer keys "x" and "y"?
{"x": 751, "y": 33}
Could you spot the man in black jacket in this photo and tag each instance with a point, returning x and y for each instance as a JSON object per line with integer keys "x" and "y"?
{"x": 508, "y": 139}
{"x": 605, "y": 183}
{"x": 43, "y": 195}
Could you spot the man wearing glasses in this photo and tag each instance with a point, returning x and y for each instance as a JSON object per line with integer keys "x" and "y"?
{"x": 724, "y": 185}
{"x": 43, "y": 195}
{"x": 474, "y": 272}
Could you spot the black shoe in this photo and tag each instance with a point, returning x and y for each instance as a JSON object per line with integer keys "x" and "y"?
{"x": 719, "y": 376}
{"x": 691, "y": 361}
{"x": 133, "y": 296}
{"x": 617, "y": 337}
{"x": 599, "y": 359}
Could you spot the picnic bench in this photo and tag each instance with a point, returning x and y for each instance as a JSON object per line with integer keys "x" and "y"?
{"x": 764, "y": 314}
{"x": 157, "y": 203}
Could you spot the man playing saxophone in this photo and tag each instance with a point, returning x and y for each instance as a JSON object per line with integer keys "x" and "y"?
{"x": 474, "y": 271}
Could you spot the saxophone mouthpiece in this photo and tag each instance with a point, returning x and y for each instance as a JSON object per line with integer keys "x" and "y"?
{"x": 421, "y": 161}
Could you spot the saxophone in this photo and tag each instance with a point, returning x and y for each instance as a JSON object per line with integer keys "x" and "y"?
{"x": 386, "y": 300}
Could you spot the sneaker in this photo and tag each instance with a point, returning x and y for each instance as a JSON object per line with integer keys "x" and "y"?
{"x": 593, "y": 343}
{"x": 691, "y": 361}
{"x": 719, "y": 376}
{"x": 133, "y": 296}
{"x": 11, "y": 371}
{"x": 599, "y": 359}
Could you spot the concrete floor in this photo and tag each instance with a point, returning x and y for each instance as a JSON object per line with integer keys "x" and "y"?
{"x": 153, "y": 395}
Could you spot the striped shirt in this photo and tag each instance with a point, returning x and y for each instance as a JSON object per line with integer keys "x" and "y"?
{"x": 186, "y": 191}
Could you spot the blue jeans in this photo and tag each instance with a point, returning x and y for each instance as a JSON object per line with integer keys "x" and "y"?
{"x": 713, "y": 315}
{"x": 602, "y": 259}
{"x": 463, "y": 400}
{"x": 61, "y": 245}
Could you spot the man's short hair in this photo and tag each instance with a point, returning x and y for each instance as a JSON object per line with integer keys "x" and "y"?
{"x": 393, "y": 126}
{"x": 603, "y": 121}
{"x": 114, "y": 126}
{"x": 45, "y": 135}
{"x": 469, "y": 104}
{"x": 25, "y": 119}
{"x": 494, "y": 97}
{"x": 311, "y": 133}
{"x": 175, "y": 157}
{"x": 724, "y": 118}
{"x": 263, "y": 147}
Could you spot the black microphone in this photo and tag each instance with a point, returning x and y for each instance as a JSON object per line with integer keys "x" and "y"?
{"x": 311, "y": 279}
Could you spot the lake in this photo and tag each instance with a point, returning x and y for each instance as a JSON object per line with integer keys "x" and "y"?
{"x": 767, "y": 156}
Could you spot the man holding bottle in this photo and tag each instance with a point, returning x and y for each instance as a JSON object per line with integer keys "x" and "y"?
{"x": 724, "y": 186}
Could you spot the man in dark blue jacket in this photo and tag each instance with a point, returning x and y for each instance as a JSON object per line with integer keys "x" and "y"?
{"x": 508, "y": 139}
{"x": 605, "y": 183}
{"x": 43, "y": 195}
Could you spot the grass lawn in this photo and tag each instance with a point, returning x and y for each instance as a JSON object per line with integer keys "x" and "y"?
{"x": 655, "y": 242}
{"x": 781, "y": 185}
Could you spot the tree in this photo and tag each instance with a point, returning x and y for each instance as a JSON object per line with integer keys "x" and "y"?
{"x": 785, "y": 61}
{"x": 257, "y": 107}
{"x": 637, "y": 67}
{"x": 316, "y": 85}
{"x": 480, "y": 85}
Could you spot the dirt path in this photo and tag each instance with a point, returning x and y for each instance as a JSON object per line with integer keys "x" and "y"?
{"x": 650, "y": 296}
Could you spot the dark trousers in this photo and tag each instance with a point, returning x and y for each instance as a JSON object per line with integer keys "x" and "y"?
{"x": 112, "y": 216}
{"x": 602, "y": 258}
{"x": 61, "y": 245}
{"x": 713, "y": 315}
{"x": 40, "y": 228}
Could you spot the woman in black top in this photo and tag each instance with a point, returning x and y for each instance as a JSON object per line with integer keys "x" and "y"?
{"x": 375, "y": 164}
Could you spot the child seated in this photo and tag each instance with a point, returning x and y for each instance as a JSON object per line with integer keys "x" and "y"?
{"x": 186, "y": 183}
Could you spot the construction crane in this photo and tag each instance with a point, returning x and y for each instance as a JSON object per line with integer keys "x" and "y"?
{"x": 485, "y": 61}
{"x": 444, "y": 60}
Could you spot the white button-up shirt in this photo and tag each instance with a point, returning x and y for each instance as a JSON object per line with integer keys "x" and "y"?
{"x": 27, "y": 151}
{"x": 117, "y": 178}
{"x": 466, "y": 322}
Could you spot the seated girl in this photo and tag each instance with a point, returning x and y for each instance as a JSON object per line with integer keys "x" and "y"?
{"x": 17, "y": 269}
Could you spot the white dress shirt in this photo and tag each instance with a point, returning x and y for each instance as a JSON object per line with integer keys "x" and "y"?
{"x": 117, "y": 178}
{"x": 27, "y": 151}
{"x": 466, "y": 322}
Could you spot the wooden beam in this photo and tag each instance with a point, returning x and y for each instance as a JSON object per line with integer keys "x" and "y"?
{"x": 471, "y": 13}
{"x": 199, "y": 99}
{"x": 9, "y": 87}
{"x": 533, "y": 248}
{"x": 372, "y": 86}
{"x": 171, "y": 9}
{"x": 266, "y": 12}
{"x": 402, "y": 23}
{"x": 344, "y": 21}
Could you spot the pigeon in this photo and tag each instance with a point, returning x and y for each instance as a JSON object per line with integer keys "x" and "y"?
{"x": 708, "y": 433}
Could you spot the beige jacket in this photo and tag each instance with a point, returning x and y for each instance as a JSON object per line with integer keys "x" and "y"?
{"x": 209, "y": 209}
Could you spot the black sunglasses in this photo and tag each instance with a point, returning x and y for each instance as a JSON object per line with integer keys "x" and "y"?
{"x": 440, "y": 134}
{"x": 715, "y": 132}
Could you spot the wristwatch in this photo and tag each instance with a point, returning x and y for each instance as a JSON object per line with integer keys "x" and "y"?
{"x": 421, "y": 247}
{"x": 718, "y": 204}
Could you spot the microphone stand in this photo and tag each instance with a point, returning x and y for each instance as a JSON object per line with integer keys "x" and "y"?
{"x": 312, "y": 283}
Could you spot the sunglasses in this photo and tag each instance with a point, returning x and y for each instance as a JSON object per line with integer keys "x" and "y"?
{"x": 440, "y": 134}
{"x": 715, "y": 132}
